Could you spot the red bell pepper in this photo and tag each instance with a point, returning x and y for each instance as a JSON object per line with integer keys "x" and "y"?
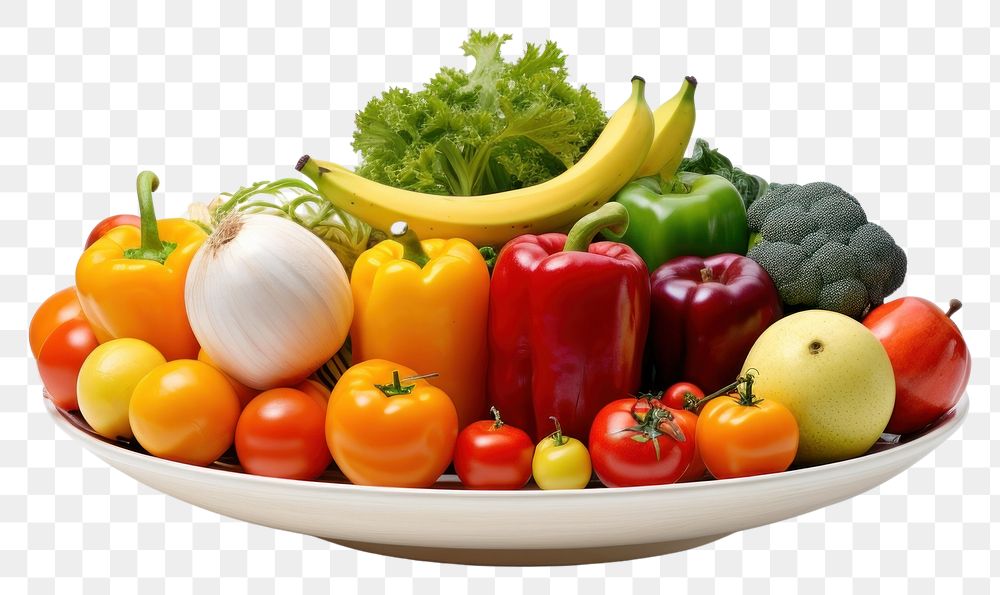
{"x": 567, "y": 325}
{"x": 706, "y": 314}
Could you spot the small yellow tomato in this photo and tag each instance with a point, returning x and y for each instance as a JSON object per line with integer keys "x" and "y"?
{"x": 106, "y": 381}
{"x": 561, "y": 462}
{"x": 185, "y": 411}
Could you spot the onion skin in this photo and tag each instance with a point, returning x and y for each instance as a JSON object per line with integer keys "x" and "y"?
{"x": 267, "y": 300}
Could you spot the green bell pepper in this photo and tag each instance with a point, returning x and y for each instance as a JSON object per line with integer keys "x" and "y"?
{"x": 691, "y": 215}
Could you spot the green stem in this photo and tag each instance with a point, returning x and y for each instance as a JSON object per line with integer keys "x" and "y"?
{"x": 746, "y": 395}
{"x": 412, "y": 250}
{"x": 612, "y": 218}
{"x": 152, "y": 248}
{"x": 557, "y": 436}
{"x": 396, "y": 388}
{"x": 145, "y": 185}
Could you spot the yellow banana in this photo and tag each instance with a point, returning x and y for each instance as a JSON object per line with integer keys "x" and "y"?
{"x": 674, "y": 122}
{"x": 493, "y": 219}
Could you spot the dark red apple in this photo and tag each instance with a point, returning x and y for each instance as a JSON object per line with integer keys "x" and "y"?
{"x": 929, "y": 358}
{"x": 108, "y": 224}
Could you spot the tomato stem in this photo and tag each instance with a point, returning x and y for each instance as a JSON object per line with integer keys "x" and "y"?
{"x": 497, "y": 423}
{"x": 747, "y": 398}
{"x": 690, "y": 401}
{"x": 728, "y": 389}
{"x": 396, "y": 388}
{"x": 557, "y": 436}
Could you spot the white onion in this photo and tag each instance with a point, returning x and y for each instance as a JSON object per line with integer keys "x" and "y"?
{"x": 267, "y": 300}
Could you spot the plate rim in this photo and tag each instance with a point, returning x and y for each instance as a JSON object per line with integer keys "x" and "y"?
{"x": 949, "y": 423}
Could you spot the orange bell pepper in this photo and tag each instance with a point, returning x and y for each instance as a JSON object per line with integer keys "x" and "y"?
{"x": 425, "y": 305}
{"x": 131, "y": 281}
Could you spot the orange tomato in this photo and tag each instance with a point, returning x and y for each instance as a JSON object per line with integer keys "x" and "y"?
{"x": 59, "y": 307}
{"x": 185, "y": 411}
{"x": 387, "y": 432}
{"x": 739, "y": 436}
{"x": 243, "y": 392}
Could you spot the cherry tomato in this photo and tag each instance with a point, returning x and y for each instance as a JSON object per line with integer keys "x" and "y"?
{"x": 282, "y": 433}
{"x": 107, "y": 379}
{"x": 682, "y": 395}
{"x": 243, "y": 392}
{"x": 493, "y": 455}
{"x": 316, "y": 390}
{"x": 745, "y": 435}
{"x": 185, "y": 411}
{"x": 688, "y": 423}
{"x": 561, "y": 462}
{"x": 61, "y": 357}
{"x": 109, "y": 223}
{"x": 59, "y": 307}
{"x": 640, "y": 441}
{"x": 386, "y": 428}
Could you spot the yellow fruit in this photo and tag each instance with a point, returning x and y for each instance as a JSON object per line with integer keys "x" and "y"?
{"x": 494, "y": 219}
{"x": 673, "y": 125}
{"x": 106, "y": 381}
{"x": 834, "y": 376}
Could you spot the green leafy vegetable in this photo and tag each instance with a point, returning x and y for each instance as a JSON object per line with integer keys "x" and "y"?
{"x": 297, "y": 201}
{"x": 706, "y": 160}
{"x": 500, "y": 126}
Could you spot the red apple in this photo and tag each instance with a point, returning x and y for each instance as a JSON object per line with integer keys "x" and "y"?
{"x": 929, "y": 358}
{"x": 108, "y": 224}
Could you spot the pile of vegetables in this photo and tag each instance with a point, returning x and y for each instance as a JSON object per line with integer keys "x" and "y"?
{"x": 451, "y": 305}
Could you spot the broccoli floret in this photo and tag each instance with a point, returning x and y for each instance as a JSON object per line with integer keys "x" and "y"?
{"x": 820, "y": 250}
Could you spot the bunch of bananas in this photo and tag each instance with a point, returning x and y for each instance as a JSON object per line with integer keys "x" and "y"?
{"x": 636, "y": 142}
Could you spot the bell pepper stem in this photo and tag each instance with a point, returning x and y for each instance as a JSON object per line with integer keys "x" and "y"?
{"x": 412, "y": 250}
{"x": 152, "y": 247}
{"x": 145, "y": 185}
{"x": 611, "y": 219}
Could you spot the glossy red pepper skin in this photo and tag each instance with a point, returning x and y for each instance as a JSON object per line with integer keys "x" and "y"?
{"x": 706, "y": 314}
{"x": 566, "y": 331}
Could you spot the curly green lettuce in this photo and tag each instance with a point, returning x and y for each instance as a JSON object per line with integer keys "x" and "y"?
{"x": 500, "y": 126}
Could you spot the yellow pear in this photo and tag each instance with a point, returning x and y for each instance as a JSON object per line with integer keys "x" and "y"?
{"x": 835, "y": 377}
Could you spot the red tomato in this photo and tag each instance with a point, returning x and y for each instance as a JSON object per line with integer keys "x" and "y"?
{"x": 688, "y": 422}
{"x": 60, "y": 360}
{"x": 682, "y": 395}
{"x": 59, "y": 307}
{"x": 641, "y": 441}
{"x": 282, "y": 433}
{"x": 108, "y": 224}
{"x": 492, "y": 455}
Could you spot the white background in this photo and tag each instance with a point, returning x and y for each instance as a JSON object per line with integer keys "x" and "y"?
{"x": 895, "y": 101}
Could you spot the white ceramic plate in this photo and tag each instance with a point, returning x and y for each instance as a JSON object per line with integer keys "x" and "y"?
{"x": 524, "y": 527}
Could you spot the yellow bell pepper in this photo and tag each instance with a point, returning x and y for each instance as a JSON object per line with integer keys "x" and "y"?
{"x": 131, "y": 281}
{"x": 424, "y": 305}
